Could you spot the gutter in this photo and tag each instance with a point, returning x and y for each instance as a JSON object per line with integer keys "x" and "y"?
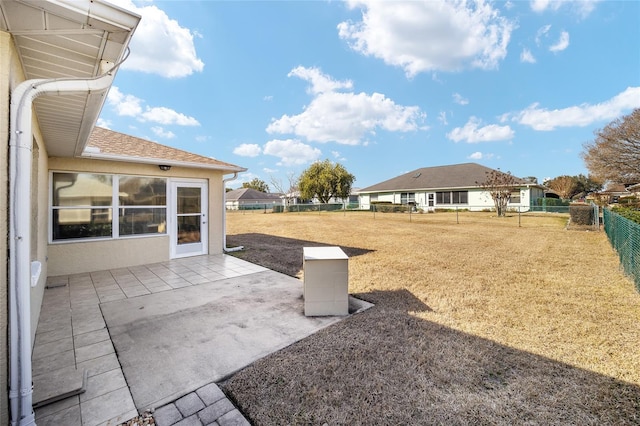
{"x": 224, "y": 217}
{"x": 20, "y": 267}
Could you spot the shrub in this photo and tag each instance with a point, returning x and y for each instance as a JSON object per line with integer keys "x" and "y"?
{"x": 628, "y": 213}
{"x": 582, "y": 214}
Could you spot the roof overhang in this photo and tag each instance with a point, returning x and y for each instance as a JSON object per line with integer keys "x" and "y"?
{"x": 67, "y": 39}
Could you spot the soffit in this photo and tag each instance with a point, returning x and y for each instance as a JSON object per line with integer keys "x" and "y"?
{"x": 67, "y": 39}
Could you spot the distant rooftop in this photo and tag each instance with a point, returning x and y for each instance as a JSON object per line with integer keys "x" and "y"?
{"x": 454, "y": 176}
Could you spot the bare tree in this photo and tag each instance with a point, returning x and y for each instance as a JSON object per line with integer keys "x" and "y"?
{"x": 499, "y": 185}
{"x": 614, "y": 155}
{"x": 288, "y": 190}
{"x": 565, "y": 186}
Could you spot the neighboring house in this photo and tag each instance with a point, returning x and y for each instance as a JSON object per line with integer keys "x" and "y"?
{"x": 80, "y": 198}
{"x": 614, "y": 191}
{"x": 246, "y": 198}
{"x": 445, "y": 187}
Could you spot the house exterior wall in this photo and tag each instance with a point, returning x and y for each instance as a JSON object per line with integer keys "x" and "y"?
{"x": 76, "y": 257}
{"x": 6, "y": 57}
{"x": 11, "y": 75}
{"x": 478, "y": 199}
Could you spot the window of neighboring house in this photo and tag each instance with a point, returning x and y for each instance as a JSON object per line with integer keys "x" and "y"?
{"x": 452, "y": 197}
{"x": 373, "y": 197}
{"x": 407, "y": 198}
{"x": 83, "y": 205}
{"x": 515, "y": 197}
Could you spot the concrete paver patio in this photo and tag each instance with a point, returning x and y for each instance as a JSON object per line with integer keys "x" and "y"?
{"x": 152, "y": 334}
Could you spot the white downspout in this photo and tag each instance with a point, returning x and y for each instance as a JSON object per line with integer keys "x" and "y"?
{"x": 20, "y": 143}
{"x": 224, "y": 216}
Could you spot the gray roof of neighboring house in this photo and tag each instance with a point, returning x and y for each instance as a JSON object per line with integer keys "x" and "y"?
{"x": 249, "y": 194}
{"x": 440, "y": 177}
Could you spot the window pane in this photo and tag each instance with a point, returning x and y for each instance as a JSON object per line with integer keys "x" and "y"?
{"x": 446, "y": 198}
{"x": 188, "y": 229}
{"x": 464, "y": 197}
{"x": 82, "y": 189}
{"x": 515, "y": 197}
{"x": 138, "y": 221}
{"x": 188, "y": 200}
{"x": 142, "y": 191}
{"x": 81, "y": 223}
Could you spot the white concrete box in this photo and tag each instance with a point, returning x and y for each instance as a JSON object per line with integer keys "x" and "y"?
{"x": 326, "y": 281}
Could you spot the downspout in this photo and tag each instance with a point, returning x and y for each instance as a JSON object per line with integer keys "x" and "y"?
{"x": 20, "y": 146}
{"x": 224, "y": 216}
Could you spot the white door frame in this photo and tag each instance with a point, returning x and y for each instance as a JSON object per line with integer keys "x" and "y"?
{"x": 181, "y": 249}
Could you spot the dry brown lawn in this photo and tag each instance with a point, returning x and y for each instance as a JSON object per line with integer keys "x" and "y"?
{"x": 481, "y": 322}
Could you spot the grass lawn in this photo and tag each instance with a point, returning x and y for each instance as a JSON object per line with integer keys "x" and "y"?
{"x": 477, "y": 322}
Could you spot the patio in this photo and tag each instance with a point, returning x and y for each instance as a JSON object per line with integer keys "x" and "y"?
{"x": 146, "y": 336}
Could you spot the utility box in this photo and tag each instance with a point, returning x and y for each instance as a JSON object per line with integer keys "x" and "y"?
{"x": 326, "y": 281}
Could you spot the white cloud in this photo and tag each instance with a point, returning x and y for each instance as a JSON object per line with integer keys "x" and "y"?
{"x": 480, "y": 156}
{"x": 160, "y": 45}
{"x": 202, "y": 138}
{"x": 268, "y": 170}
{"x": 166, "y": 116}
{"x": 345, "y": 118}
{"x": 527, "y": 57}
{"x": 248, "y": 150}
{"x": 561, "y": 44}
{"x": 291, "y": 152}
{"x": 578, "y": 116}
{"x": 131, "y": 106}
{"x": 457, "y": 98}
{"x": 124, "y": 105}
{"x": 442, "y": 117}
{"x": 427, "y": 35}
{"x": 103, "y": 123}
{"x": 267, "y": 98}
{"x": 581, "y": 7}
{"x": 543, "y": 32}
{"x": 161, "y": 133}
{"x": 474, "y": 132}
{"x": 320, "y": 83}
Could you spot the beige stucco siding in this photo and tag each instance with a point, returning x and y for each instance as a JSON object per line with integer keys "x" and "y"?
{"x": 5, "y": 58}
{"x": 11, "y": 75}
{"x": 75, "y": 257}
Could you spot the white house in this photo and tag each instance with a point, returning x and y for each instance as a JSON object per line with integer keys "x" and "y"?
{"x": 446, "y": 187}
{"x": 246, "y": 198}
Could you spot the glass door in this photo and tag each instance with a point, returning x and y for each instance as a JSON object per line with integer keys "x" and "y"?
{"x": 189, "y": 233}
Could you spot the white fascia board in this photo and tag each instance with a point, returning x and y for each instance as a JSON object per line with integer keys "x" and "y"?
{"x": 157, "y": 161}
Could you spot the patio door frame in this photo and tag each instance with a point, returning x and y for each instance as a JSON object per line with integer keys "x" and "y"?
{"x": 189, "y": 249}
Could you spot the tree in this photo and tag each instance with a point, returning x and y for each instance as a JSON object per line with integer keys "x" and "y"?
{"x": 565, "y": 186}
{"x": 287, "y": 190}
{"x": 325, "y": 180}
{"x": 587, "y": 184}
{"x": 614, "y": 155}
{"x": 257, "y": 184}
{"x": 499, "y": 185}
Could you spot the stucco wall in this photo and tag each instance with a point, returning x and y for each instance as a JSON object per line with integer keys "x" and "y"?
{"x": 5, "y": 58}
{"x": 10, "y": 76}
{"x": 73, "y": 257}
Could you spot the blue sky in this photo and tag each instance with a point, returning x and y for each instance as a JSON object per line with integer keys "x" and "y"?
{"x": 382, "y": 87}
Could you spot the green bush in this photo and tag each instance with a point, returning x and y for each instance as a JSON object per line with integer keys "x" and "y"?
{"x": 551, "y": 202}
{"x": 582, "y": 214}
{"x": 628, "y": 213}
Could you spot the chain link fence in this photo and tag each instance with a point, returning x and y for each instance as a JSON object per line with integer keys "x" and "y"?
{"x": 624, "y": 235}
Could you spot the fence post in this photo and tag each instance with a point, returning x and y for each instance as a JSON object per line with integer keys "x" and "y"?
{"x": 519, "y": 216}
{"x": 457, "y": 217}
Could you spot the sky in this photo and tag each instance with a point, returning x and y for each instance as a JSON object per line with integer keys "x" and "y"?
{"x": 381, "y": 87}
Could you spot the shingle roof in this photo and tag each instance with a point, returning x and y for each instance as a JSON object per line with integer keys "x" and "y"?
{"x": 248, "y": 194}
{"x": 107, "y": 144}
{"x": 440, "y": 177}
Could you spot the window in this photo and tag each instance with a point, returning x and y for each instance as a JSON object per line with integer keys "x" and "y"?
{"x": 515, "y": 197}
{"x": 408, "y": 198}
{"x": 83, "y": 206}
{"x": 452, "y": 197}
{"x": 142, "y": 205}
